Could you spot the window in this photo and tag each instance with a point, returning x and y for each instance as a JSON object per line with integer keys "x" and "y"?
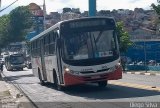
{"x": 35, "y": 48}
{"x": 46, "y": 44}
{"x": 32, "y": 48}
{"x": 38, "y": 48}
{"x": 52, "y": 43}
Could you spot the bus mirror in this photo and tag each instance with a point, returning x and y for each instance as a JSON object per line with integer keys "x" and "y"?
{"x": 118, "y": 36}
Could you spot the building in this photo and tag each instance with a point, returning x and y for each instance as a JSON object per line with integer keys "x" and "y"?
{"x": 37, "y": 17}
{"x": 69, "y": 15}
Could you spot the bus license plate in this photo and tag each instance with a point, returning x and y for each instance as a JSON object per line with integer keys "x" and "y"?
{"x": 95, "y": 77}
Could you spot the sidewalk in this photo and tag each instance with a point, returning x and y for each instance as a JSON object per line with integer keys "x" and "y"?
{"x": 6, "y": 99}
{"x": 11, "y": 97}
{"x": 155, "y": 73}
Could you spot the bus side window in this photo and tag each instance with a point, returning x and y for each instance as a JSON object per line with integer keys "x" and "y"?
{"x": 36, "y": 53}
{"x": 31, "y": 49}
{"x": 34, "y": 48}
{"x": 52, "y": 43}
{"x": 46, "y": 45}
{"x": 38, "y": 47}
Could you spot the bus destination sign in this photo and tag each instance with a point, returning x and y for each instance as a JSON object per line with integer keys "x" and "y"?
{"x": 80, "y": 24}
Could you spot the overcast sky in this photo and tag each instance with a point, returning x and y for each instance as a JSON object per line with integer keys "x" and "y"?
{"x": 57, "y": 5}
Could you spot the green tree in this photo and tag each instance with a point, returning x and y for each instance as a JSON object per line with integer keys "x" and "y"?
{"x": 124, "y": 38}
{"x": 4, "y": 25}
{"x": 20, "y": 22}
{"x": 156, "y": 8}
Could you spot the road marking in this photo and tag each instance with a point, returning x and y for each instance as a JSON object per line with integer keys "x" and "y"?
{"x": 133, "y": 85}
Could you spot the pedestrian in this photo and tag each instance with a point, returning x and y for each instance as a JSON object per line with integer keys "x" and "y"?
{"x": 123, "y": 62}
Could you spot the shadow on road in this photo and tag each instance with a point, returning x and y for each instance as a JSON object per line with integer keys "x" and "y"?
{"x": 93, "y": 92}
{"x": 12, "y": 78}
{"x": 111, "y": 92}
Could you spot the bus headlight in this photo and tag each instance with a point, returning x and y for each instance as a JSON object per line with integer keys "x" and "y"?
{"x": 67, "y": 70}
{"x": 70, "y": 71}
{"x": 118, "y": 65}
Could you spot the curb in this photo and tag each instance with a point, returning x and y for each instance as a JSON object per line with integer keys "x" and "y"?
{"x": 143, "y": 73}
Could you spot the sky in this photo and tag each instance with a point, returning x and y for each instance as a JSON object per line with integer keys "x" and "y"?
{"x": 57, "y": 5}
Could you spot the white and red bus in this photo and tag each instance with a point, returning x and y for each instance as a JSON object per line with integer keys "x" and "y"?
{"x": 77, "y": 51}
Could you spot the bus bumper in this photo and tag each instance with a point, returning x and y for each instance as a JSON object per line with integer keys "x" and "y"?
{"x": 70, "y": 79}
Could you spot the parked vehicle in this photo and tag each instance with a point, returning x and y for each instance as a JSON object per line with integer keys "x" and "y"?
{"x": 14, "y": 61}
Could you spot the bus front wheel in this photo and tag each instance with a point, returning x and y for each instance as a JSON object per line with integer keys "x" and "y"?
{"x": 57, "y": 86}
{"x": 102, "y": 84}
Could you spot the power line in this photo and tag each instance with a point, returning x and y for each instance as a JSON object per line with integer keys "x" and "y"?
{"x": 8, "y": 6}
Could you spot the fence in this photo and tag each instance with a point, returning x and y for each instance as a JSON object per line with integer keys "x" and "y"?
{"x": 142, "y": 68}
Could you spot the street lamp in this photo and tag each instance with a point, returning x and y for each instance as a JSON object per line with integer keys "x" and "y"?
{"x": 0, "y": 4}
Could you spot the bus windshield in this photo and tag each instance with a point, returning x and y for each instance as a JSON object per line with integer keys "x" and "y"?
{"x": 16, "y": 59}
{"x": 90, "y": 45}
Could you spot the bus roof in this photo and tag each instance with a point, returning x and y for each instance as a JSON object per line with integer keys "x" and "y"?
{"x": 46, "y": 31}
{"x": 58, "y": 25}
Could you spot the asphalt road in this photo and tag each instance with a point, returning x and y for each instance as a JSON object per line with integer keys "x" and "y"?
{"x": 134, "y": 91}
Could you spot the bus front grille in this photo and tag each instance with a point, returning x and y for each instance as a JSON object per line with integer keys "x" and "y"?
{"x": 100, "y": 77}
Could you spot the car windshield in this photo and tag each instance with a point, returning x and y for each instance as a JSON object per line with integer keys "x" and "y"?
{"x": 88, "y": 45}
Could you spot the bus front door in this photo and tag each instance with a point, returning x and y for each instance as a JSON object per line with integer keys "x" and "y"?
{"x": 43, "y": 60}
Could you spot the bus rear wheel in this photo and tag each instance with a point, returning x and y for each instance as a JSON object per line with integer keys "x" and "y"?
{"x": 102, "y": 84}
{"x": 40, "y": 78}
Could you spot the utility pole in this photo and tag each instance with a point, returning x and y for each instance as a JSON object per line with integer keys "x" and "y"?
{"x": 0, "y": 4}
{"x": 145, "y": 56}
{"x": 92, "y": 8}
{"x": 44, "y": 14}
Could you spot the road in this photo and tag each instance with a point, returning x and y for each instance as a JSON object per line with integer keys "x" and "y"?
{"x": 131, "y": 91}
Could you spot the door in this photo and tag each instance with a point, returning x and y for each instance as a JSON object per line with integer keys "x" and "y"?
{"x": 58, "y": 53}
{"x": 42, "y": 42}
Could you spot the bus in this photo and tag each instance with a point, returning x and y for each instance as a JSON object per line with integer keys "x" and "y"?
{"x": 77, "y": 51}
{"x": 14, "y": 61}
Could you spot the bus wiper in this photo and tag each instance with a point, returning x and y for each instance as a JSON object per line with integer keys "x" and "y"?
{"x": 99, "y": 35}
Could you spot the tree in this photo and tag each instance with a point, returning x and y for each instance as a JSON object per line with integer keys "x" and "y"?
{"x": 124, "y": 41}
{"x": 20, "y": 22}
{"x": 156, "y": 8}
{"x": 4, "y": 25}
{"x": 14, "y": 26}
{"x": 124, "y": 38}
